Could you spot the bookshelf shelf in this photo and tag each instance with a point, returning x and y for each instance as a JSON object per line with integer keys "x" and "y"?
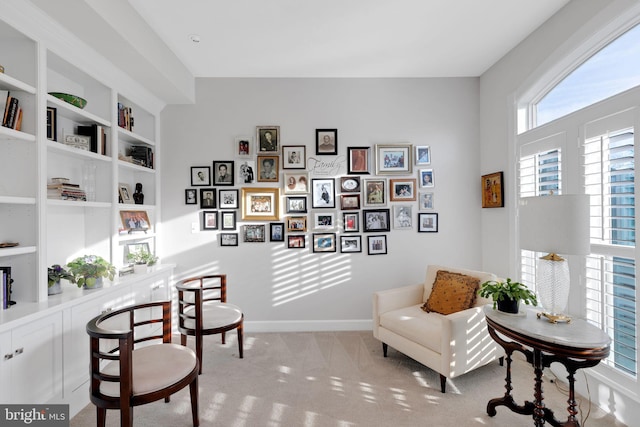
{"x": 76, "y": 152}
{"x": 18, "y": 250}
{"x": 11, "y": 83}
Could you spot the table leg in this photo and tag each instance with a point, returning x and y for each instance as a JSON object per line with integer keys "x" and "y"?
{"x": 538, "y": 404}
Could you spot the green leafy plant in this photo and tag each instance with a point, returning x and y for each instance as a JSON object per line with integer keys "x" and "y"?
{"x": 56, "y": 272}
{"x": 88, "y": 268}
{"x": 499, "y": 291}
{"x": 142, "y": 257}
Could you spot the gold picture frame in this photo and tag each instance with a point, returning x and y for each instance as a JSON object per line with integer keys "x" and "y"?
{"x": 260, "y": 204}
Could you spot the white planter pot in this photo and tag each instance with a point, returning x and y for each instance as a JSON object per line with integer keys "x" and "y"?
{"x": 140, "y": 268}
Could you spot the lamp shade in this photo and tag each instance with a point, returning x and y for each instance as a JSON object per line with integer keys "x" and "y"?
{"x": 555, "y": 224}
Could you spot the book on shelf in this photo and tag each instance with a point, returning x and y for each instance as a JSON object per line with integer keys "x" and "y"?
{"x": 10, "y": 112}
{"x": 7, "y": 282}
{"x": 97, "y": 135}
{"x": 65, "y": 191}
{"x": 125, "y": 117}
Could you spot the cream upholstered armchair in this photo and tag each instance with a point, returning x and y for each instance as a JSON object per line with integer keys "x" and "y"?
{"x": 450, "y": 344}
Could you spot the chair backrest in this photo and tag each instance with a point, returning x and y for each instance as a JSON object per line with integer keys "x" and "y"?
{"x": 195, "y": 291}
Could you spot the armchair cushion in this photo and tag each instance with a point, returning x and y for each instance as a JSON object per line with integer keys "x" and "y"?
{"x": 416, "y": 326}
{"x": 451, "y": 293}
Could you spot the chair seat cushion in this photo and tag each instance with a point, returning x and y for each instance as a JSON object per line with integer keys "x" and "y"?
{"x": 415, "y": 325}
{"x": 154, "y": 368}
{"x": 215, "y": 315}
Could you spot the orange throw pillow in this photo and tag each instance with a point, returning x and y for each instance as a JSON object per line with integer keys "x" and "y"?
{"x": 451, "y": 292}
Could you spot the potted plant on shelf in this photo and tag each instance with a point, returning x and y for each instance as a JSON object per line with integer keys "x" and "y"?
{"x": 56, "y": 273}
{"x": 89, "y": 271}
{"x": 507, "y": 295}
{"x": 142, "y": 259}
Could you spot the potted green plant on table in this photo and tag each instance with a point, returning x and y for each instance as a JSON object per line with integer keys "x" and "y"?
{"x": 141, "y": 259}
{"x": 56, "y": 273}
{"x": 89, "y": 271}
{"x": 507, "y": 295}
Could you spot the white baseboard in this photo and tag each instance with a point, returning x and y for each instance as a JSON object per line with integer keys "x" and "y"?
{"x": 307, "y": 325}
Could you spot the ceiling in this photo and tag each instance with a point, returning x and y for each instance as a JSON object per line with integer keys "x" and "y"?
{"x": 302, "y": 38}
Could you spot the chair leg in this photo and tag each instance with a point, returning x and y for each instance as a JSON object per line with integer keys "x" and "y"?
{"x": 126, "y": 416}
{"x": 193, "y": 390}
{"x": 240, "y": 339}
{"x": 101, "y": 417}
{"x": 443, "y": 383}
{"x": 223, "y": 338}
{"x": 183, "y": 340}
{"x": 384, "y": 349}
{"x": 199, "y": 350}
{"x": 501, "y": 361}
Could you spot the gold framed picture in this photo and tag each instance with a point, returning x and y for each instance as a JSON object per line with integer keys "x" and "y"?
{"x": 493, "y": 190}
{"x": 260, "y": 204}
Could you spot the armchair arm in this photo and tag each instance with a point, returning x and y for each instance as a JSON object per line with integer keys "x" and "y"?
{"x": 392, "y": 299}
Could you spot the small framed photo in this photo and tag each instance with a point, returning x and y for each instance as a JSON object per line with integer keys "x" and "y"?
{"x": 228, "y": 239}
{"x": 260, "y": 204}
{"x": 210, "y": 220}
{"x": 296, "y": 223}
{"x": 423, "y": 155}
{"x": 377, "y": 245}
{"x": 297, "y": 204}
{"x": 296, "y": 183}
{"x": 323, "y": 193}
{"x": 393, "y": 159}
{"x": 52, "y": 124}
{"x": 349, "y": 201}
{"x": 223, "y": 172}
{"x": 190, "y": 196}
{"x": 374, "y": 220}
{"x": 402, "y": 189}
{"x": 324, "y": 242}
{"x": 350, "y": 222}
{"x": 294, "y": 157}
{"x": 358, "y": 160}
{"x": 375, "y": 192}
{"x": 247, "y": 171}
{"x": 135, "y": 220}
{"x": 200, "y": 176}
{"x": 276, "y": 232}
{"x": 131, "y": 248}
{"x": 242, "y": 146}
{"x": 228, "y": 199}
{"x": 296, "y": 241}
{"x": 326, "y": 142}
{"x": 350, "y": 184}
{"x": 426, "y": 201}
{"x": 426, "y": 178}
{"x": 228, "y": 220}
{"x": 254, "y": 233}
{"x": 350, "y": 244}
{"x": 268, "y": 138}
{"x": 268, "y": 168}
{"x": 427, "y": 222}
{"x": 403, "y": 217}
{"x": 124, "y": 190}
{"x": 324, "y": 220}
{"x": 207, "y": 198}
{"x": 492, "y": 190}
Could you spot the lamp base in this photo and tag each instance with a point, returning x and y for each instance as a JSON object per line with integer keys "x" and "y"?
{"x": 555, "y": 318}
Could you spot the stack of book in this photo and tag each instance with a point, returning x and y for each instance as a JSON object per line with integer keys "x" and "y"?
{"x": 12, "y": 117}
{"x": 62, "y": 189}
{"x": 6, "y": 281}
{"x": 98, "y": 137}
{"x": 125, "y": 118}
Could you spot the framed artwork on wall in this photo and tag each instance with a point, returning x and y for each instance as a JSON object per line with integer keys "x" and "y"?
{"x": 242, "y": 146}
{"x": 324, "y": 242}
{"x": 492, "y": 190}
{"x": 296, "y": 241}
{"x": 350, "y": 184}
{"x": 350, "y": 222}
{"x": 323, "y": 193}
{"x": 294, "y": 157}
{"x": 190, "y": 196}
{"x": 268, "y": 139}
{"x": 403, "y": 217}
{"x": 276, "y": 232}
{"x": 426, "y": 201}
{"x": 350, "y": 244}
{"x": 402, "y": 189}
{"x": 427, "y": 222}
{"x": 297, "y": 223}
{"x": 358, "y": 160}
{"x": 210, "y": 220}
{"x": 324, "y": 220}
{"x": 228, "y": 220}
{"x": 326, "y": 142}
{"x": 423, "y": 155}
{"x": 200, "y": 176}
{"x": 377, "y": 245}
{"x": 393, "y": 159}
{"x": 375, "y": 220}
{"x": 207, "y": 198}
{"x": 260, "y": 204}
{"x": 349, "y": 201}
{"x": 254, "y": 233}
{"x": 375, "y": 192}
{"x": 426, "y": 178}
{"x": 228, "y": 239}
{"x": 296, "y": 183}
{"x": 268, "y": 168}
{"x": 246, "y": 171}
{"x": 296, "y": 204}
{"x": 228, "y": 199}
{"x": 223, "y": 173}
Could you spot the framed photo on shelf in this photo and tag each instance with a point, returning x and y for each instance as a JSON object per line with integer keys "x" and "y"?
{"x": 393, "y": 159}
{"x": 375, "y": 220}
{"x": 296, "y": 183}
{"x": 124, "y": 190}
{"x": 324, "y": 242}
{"x": 190, "y": 196}
{"x": 403, "y": 217}
{"x": 228, "y": 199}
{"x": 247, "y": 171}
{"x": 135, "y": 220}
{"x": 294, "y": 157}
{"x": 276, "y": 231}
{"x": 358, "y": 160}
{"x": 375, "y": 192}
{"x": 228, "y": 220}
{"x": 260, "y": 203}
{"x": 423, "y": 155}
{"x": 200, "y": 176}
{"x": 223, "y": 173}
{"x": 377, "y": 245}
{"x": 402, "y": 189}
{"x": 349, "y": 201}
{"x": 323, "y": 193}
{"x": 324, "y": 220}
{"x": 426, "y": 178}
{"x": 242, "y": 146}
{"x": 228, "y": 239}
{"x": 131, "y": 248}
{"x": 426, "y": 201}
{"x": 254, "y": 233}
{"x": 210, "y": 220}
{"x": 207, "y": 198}
{"x": 350, "y": 184}
{"x": 268, "y": 168}
{"x": 326, "y": 142}
{"x": 350, "y": 244}
{"x": 52, "y": 124}
{"x": 296, "y": 223}
{"x": 296, "y": 204}
{"x": 268, "y": 138}
{"x": 350, "y": 222}
{"x": 427, "y": 222}
{"x": 296, "y": 241}
{"x": 492, "y": 190}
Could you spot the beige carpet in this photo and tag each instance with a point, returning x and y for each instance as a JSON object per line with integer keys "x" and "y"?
{"x": 339, "y": 379}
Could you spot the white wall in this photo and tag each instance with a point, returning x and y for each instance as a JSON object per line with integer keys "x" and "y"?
{"x": 287, "y": 289}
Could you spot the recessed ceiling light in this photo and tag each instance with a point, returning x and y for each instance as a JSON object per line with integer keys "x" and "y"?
{"x": 194, "y": 38}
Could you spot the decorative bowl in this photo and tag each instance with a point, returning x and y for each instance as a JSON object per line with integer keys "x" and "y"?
{"x": 74, "y": 100}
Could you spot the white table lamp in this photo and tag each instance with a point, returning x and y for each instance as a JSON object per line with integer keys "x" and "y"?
{"x": 557, "y": 224}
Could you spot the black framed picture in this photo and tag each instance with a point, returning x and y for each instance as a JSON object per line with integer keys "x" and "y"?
{"x": 268, "y": 138}
{"x": 228, "y": 199}
{"x": 254, "y": 233}
{"x": 358, "y": 160}
{"x": 377, "y": 245}
{"x": 223, "y": 173}
{"x": 210, "y": 220}
{"x": 52, "y": 123}
{"x": 349, "y": 201}
{"x": 207, "y": 198}
{"x": 268, "y": 168}
{"x": 296, "y": 204}
{"x": 297, "y": 241}
{"x": 374, "y": 220}
{"x": 228, "y": 239}
{"x": 324, "y": 242}
{"x": 350, "y": 222}
{"x": 427, "y": 222}
{"x": 323, "y": 193}
{"x": 350, "y": 184}
{"x": 228, "y": 220}
{"x": 350, "y": 244}
{"x": 276, "y": 231}
{"x": 190, "y": 196}
{"x": 200, "y": 176}
{"x": 294, "y": 157}
{"x": 326, "y": 142}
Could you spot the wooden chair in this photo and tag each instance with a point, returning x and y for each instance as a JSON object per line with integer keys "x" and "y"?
{"x": 203, "y": 310}
{"x": 133, "y": 361}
